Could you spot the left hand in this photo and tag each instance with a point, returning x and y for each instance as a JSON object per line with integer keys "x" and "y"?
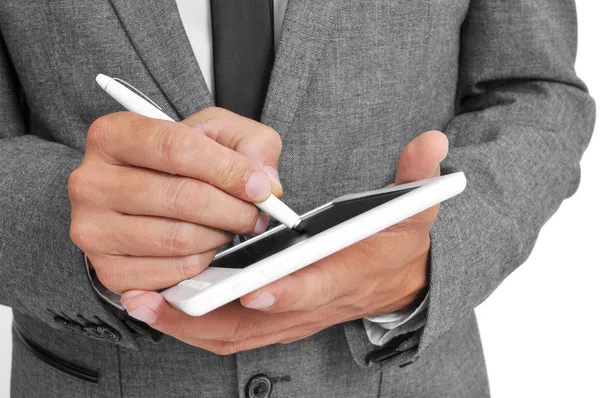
{"x": 383, "y": 273}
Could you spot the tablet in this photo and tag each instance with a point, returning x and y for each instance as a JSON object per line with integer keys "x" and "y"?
{"x": 327, "y": 229}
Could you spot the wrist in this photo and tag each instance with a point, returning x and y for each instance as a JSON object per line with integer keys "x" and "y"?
{"x": 415, "y": 284}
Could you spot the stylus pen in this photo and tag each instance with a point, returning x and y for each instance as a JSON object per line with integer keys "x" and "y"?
{"x": 141, "y": 104}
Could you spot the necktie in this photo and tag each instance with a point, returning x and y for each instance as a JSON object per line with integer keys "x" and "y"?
{"x": 243, "y": 53}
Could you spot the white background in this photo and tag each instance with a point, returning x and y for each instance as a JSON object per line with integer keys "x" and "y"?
{"x": 541, "y": 328}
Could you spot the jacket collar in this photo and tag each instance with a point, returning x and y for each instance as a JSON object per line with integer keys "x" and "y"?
{"x": 158, "y": 36}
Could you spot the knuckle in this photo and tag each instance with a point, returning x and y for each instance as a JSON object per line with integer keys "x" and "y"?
{"x": 109, "y": 275}
{"x": 272, "y": 138}
{"x": 174, "y": 145}
{"x": 98, "y": 131}
{"x": 247, "y": 327}
{"x": 82, "y": 235}
{"x": 77, "y": 233}
{"x": 188, "y": 267}
{"x": 78, "y": 185}
{"x": 103, "y": 129}
{"x": 177, "y": 237}
{"x": 202, "y": 199}
{"x": 179, "y": 197}
{"x": 230, "y": 173}
{"x": 247, "y": 218}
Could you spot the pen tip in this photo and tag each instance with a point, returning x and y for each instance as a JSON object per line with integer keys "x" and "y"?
{"x": 103, "y": 80}
{"x": 300, "y": 227}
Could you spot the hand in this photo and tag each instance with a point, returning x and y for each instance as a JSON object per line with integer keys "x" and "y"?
{"x": 380, "y": 274}
{"x": 152, "y": 200}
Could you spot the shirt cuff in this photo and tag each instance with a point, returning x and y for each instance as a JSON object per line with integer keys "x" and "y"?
{"x": 112, "y": 299}
{"x": 382, "y": 328}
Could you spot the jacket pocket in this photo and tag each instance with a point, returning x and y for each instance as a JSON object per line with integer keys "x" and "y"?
{"x": 55, "y": 362}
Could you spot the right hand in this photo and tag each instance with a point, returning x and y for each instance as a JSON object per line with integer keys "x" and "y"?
{"x": 152, "y": 200}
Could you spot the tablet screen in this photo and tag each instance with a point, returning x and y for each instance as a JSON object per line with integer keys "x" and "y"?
{"x": 328, "y": 217}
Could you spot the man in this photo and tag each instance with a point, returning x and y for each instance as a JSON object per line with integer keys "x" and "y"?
{"x": 355, "y": 96}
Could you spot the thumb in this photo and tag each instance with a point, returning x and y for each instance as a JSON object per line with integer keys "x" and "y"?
{"x": 245, "y": 136}
{"x": 421, "y": 158}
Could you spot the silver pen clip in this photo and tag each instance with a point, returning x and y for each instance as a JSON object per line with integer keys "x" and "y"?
{"x": 137, "y": 91}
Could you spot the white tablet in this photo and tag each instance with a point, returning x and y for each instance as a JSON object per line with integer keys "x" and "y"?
{"x": 327, "y": 229}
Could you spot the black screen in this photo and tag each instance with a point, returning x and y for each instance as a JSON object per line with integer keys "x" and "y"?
{"x": 328, "y": 217}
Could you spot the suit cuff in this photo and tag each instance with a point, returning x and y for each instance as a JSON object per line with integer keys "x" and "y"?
{"x": 113, "y": 302}
{"x": 383, "y": 328}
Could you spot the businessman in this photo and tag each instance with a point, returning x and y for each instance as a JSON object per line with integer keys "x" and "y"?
{"x": 303, "y": 99}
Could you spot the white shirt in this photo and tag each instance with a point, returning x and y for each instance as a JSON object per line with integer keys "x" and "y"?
{"x": 196, "y": 19}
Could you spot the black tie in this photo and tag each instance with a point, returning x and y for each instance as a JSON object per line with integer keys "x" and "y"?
{"x": 243, "y": 53}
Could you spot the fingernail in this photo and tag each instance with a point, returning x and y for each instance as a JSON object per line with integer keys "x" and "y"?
{"x": 273, "y": 174}
{"x": 264, "y": 300}
{"x": 261, "y": 224}
{"x": 258, "y": 187}
{"x": 128, "y": 296}
{"x": 144, "y": 314}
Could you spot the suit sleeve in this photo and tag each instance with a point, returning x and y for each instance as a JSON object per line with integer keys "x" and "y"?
{"x": 42, "y": 273}
{"x": 522, "y": 123}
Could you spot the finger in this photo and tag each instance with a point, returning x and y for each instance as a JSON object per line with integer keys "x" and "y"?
{"x": 136, "y": 191}
{"x": 231, "y": 322}
{"x": 220, "y": 347}
{"x": 289, "y": 335}
{"x": 421, "y": 158}
{"x": 174, "y": 148}
{"x": 296, "y": 337}
{"x": 284, "y": 336}
{"x": 209, "y": 333}
{"x": 119, "y": 234}
{"x": 245, "y": 136}
{"x": 232, "y": 347}
{"x": 123, "y": 273}
{"x": 304, "y": 290}
{"x": 337, "y": 311}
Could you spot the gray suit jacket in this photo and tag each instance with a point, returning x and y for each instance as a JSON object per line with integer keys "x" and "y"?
{"x": 353, "y": 83}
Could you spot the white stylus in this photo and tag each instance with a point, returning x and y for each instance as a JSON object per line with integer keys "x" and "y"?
{"x": 141, "y": 104}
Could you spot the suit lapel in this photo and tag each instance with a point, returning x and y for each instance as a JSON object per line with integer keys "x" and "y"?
{"x": 306, "y": 28}
{"x": 158, "y": 36}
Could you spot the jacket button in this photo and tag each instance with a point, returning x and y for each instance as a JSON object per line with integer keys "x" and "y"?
{"x": 108, "y": 333}
{"x": 92, "y": 330}
{"x": 103, "y": 332}
{"x": 259, "y": 386}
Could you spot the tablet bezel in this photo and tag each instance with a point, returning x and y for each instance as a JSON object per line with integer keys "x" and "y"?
{"x": 217, "y": 286}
